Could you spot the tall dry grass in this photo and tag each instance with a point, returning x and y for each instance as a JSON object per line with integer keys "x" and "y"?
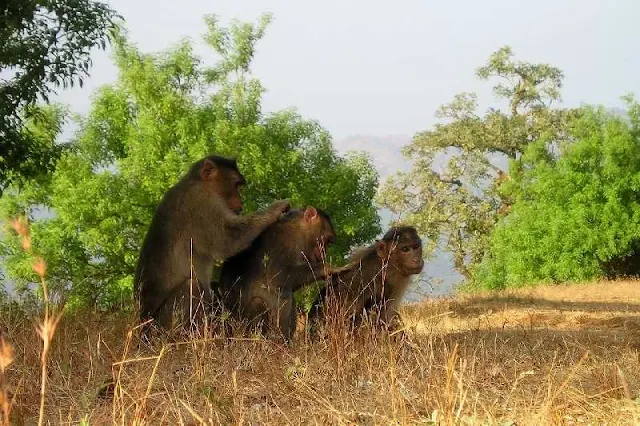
{"x": 551, "y": 355}
{"x": 45, "y": 328}
{"x": 517, "y": 358}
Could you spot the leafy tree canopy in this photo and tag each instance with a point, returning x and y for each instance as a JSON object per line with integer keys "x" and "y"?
{"x": 142, "y": 133}
{"x": 44, "y": 44}
{"x": 451, "y": 194}
{"x": 576, "y": 215}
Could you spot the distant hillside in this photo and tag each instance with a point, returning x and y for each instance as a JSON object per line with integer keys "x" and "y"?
{"x": 385, "y": 150}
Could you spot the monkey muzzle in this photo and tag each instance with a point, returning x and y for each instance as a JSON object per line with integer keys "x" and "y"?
{"x": 417, "y": 269}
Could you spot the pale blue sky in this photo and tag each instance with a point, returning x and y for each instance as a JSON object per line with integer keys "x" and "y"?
{"x": 381, "y": 68}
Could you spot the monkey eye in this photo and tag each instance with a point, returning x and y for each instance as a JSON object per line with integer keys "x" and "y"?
{"x": 406, "y": 249}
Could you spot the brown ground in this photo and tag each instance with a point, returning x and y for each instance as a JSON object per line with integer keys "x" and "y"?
{"x": 549, "y": 355}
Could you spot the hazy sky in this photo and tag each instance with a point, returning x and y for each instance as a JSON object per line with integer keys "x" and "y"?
{"x": 382, "y": 68}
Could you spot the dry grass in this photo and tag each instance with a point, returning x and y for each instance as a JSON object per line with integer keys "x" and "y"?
{"x": 561, "y": 355}
{"x": 45, "y": 329}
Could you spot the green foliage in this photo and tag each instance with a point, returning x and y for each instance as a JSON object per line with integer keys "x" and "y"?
{"x": 43, "y": 44}
{"x": 451, "y": 193}
{"x": 574, "y": 214}
{"x": 142, "y": 133}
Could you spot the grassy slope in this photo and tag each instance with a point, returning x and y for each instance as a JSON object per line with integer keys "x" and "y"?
{"x": 551, "y": 355}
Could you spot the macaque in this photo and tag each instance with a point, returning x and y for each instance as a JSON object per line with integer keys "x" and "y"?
{"x": 375, "y": 278}
{"x": 197, "y": 222}
{"x": 258, "y": 284}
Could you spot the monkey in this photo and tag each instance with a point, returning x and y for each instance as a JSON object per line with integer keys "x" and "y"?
{"x": 258, "y": 284}
{"x": 374, "y": 278}
{"x": 197, "y": 222}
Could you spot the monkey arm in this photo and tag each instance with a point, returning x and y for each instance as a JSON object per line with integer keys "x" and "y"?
{"x": 390, "y": 316}
{"x": 341, "y": 269}
{"x": 302, "y": 273}
{"x": 241, "y": 231}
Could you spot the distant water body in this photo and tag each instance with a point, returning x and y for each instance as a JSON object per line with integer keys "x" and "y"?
{"x": 437, "y": 280}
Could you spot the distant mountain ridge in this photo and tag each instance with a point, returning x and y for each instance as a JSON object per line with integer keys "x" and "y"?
{"x": 386, "y": 151}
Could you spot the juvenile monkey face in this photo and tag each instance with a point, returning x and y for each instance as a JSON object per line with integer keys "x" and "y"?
{"x": 318, "y": 233}
{"x": 403, "y": 249}
{"x": 326, "y": 236}
{"x": 325, "y": 230}
{"x": 408, "y": 256}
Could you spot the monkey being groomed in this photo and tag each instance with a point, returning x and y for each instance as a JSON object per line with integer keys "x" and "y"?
{"x": 258, "y": 284}
{"x": 374, "y": 279}
{"x": 197, "y": 222}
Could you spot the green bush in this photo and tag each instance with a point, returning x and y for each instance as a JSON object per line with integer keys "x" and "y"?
{"x": 575, "y": 213}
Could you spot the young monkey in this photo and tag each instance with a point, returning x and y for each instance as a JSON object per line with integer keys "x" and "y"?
{"x": 376, "y": 277}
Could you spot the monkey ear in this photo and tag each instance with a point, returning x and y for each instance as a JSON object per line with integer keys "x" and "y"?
{"x": 209, "y": 170}
{"x": 310, "y": 213}
{"x": 381, "y": 249}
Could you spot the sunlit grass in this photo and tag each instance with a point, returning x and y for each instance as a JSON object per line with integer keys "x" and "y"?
{"x": 554, "y": 355}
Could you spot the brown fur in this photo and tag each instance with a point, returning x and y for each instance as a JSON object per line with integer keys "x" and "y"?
{"x": 196, "y": 223}
{"x": 258, "y": 284}
{"x": 375, "y": 277}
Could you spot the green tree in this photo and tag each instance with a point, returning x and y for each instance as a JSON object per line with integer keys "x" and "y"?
{"x": 164, "y": 112}
{"x": 576, "y": 215}
{"x": 44, "y": 44}
{"x": 451, "y": 192}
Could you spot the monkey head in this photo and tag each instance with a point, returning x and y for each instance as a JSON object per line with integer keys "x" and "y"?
{"x": 223, "y": 179}
{"x": 318, "y": 233}
{"x": 401, "y": 247}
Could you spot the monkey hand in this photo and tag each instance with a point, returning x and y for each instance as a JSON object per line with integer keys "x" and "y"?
{"x": 339, "y": 269}
{"x": 280, "y": 207}
{"x": 328, "y": 271}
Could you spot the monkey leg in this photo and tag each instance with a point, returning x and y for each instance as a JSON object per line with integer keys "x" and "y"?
{"x": 287, "y": 315}
{"x": 389, "y": 316}
{"x": 191, "y": 302}
{"x": 281, "y": 312}
{"x": 154, "y": 306}
{"x": 274, "y": 309}
{"x": 253, "y": 308}
{"x": 196, "y": 303}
